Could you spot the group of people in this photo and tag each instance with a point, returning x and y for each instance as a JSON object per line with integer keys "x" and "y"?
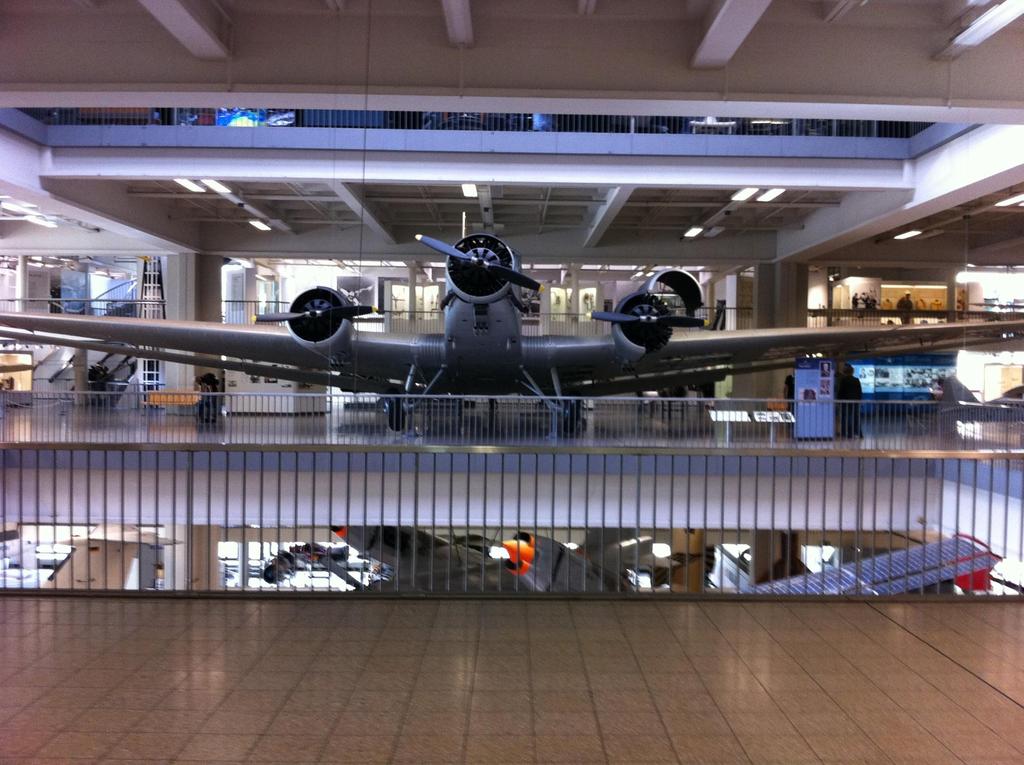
{"x": 864, "y": 300}
{"x": 207, "y": 406}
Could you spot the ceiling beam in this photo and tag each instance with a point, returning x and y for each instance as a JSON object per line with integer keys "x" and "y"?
{"x": 483, "y": 193}
{"x": 728, "y": 24}
{"x": 586, "y": 7}
{"x": 605, "y": 214}
{"x": 258, "y": 211}
{"x": 836, "y": 9}
{"x": 199, "y": 26}
{"x": 355, "y": 204}
{"x": 459, "y": 22}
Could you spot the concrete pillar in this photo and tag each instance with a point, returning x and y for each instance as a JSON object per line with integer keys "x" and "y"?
{"x": 790, "y": 287}
{"x": 412, "y": 291}
{"x": 80, "y": 361}
{"x": 21, "y": 281}
{"x": 951, "y": 288}
{"x": 192, "y": 293}
{"x": 759, "y": 384}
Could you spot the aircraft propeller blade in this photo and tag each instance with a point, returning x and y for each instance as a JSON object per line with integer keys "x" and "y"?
{"x": 511, "y": 275}
{"x": 350, "y": 312}
{"x": 681, "y": 321}
{"x": 442, "y": 247}
{"x": 627, "y": 318}
{"x": 273, "y": 318}
{"x": 613, "y": 317}
{"x": 508, "y": 274}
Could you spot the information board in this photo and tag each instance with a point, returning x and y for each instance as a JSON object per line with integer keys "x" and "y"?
{"x": 814, "y": 381}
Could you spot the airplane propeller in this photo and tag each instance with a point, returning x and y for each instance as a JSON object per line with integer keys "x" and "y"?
{"x": 481, "y": 258}
{"x": 646, "y": 314}
{"x": 350, "y": 312}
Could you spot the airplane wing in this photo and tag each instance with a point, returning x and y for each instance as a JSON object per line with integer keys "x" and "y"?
{"x": 376, "y": 363}
{"x": 12, "y": 368}
{"x": 586, "y": 365}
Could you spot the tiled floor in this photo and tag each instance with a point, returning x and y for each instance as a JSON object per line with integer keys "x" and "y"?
{"x": 502, "y": 681}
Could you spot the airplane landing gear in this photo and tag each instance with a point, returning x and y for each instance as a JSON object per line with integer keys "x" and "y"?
{"x": 394, "y": 410}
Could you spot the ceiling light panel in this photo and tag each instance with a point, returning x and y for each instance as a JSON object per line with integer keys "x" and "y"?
{"x": 1014, "y": 200}
{"x": 190, "y": 185}
{"x": 771, "y": 194}
{"x": 744, "y": 194}
{"x": 217, "y": 186}
{"x": 908, "y": 234}
{"x": 693, "y": 231}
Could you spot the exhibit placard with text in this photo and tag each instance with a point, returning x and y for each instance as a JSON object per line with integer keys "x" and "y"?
{"x": 814, "y": 382}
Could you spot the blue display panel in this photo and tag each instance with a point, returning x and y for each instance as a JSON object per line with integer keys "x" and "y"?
{"x": 912, "y": 377}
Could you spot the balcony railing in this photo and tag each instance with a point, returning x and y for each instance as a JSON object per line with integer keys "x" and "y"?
{"x": 182, "y": 417}
{"x": 408, "y": 520}
{"x": 854, "y": 317}
{"x": 479, "y": 121}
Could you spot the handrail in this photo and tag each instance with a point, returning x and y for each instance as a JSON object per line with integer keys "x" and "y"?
{"x": 278, "y": 118}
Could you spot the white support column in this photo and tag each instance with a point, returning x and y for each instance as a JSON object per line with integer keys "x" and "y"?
{"x": 412, "y": 292}
{"x": 192, "y": 289}
{"x": 21, "y": 281}
{"x": 80, "y": 360}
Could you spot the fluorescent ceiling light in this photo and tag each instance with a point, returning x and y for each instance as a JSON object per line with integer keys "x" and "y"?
{"x": 16, "y": 208}
{"x": 693, "y": 231}
{"x": 469, "y": 190}
{"x": 908, "y": 234}
{"x": 1015, "y": 200}
{"x": 40, "y": 221}
{"x": 988, "y": 23}
{"x": 744, "y": 194}
{"x": 190, "y": 185}
{"x": 771, "y": 194}
{"x": 257, "y": 223}
{"x": 217, "y": 186}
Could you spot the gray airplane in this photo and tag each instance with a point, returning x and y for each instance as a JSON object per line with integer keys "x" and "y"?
{"x": 482, "y": 349}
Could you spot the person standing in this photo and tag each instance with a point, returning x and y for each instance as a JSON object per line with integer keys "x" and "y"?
{"x": 905, "y": 306}
{"x": 849, "y": 394}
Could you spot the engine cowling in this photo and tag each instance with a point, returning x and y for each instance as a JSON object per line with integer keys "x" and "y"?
{"x": 327, "y": 333}
{"x": 656, "y": 298}
{"x": 474, "y": 284}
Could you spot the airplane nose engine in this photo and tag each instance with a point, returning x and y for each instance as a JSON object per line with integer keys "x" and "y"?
{"x": 320, "y": 328}
{"x": 650, "y": 313}
{"x": 476, "y": 284}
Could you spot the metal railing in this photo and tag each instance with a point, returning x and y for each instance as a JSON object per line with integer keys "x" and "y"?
{"x": 485, "y": 121}
{"x": 860, "y": 317}
{"x": 408, "y": 520}
{"x": 95, "y": 307}
{"x": 187, "y": 417}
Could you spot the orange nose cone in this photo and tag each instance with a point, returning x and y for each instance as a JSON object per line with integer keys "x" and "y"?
{"x": 340, "y": 531}
{"x": 520, "y": 555}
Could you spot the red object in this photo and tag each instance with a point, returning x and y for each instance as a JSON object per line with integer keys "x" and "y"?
{"x": 976, "y": 581}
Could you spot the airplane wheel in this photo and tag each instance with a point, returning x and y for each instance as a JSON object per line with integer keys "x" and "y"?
{"x": 395, "y": 413}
